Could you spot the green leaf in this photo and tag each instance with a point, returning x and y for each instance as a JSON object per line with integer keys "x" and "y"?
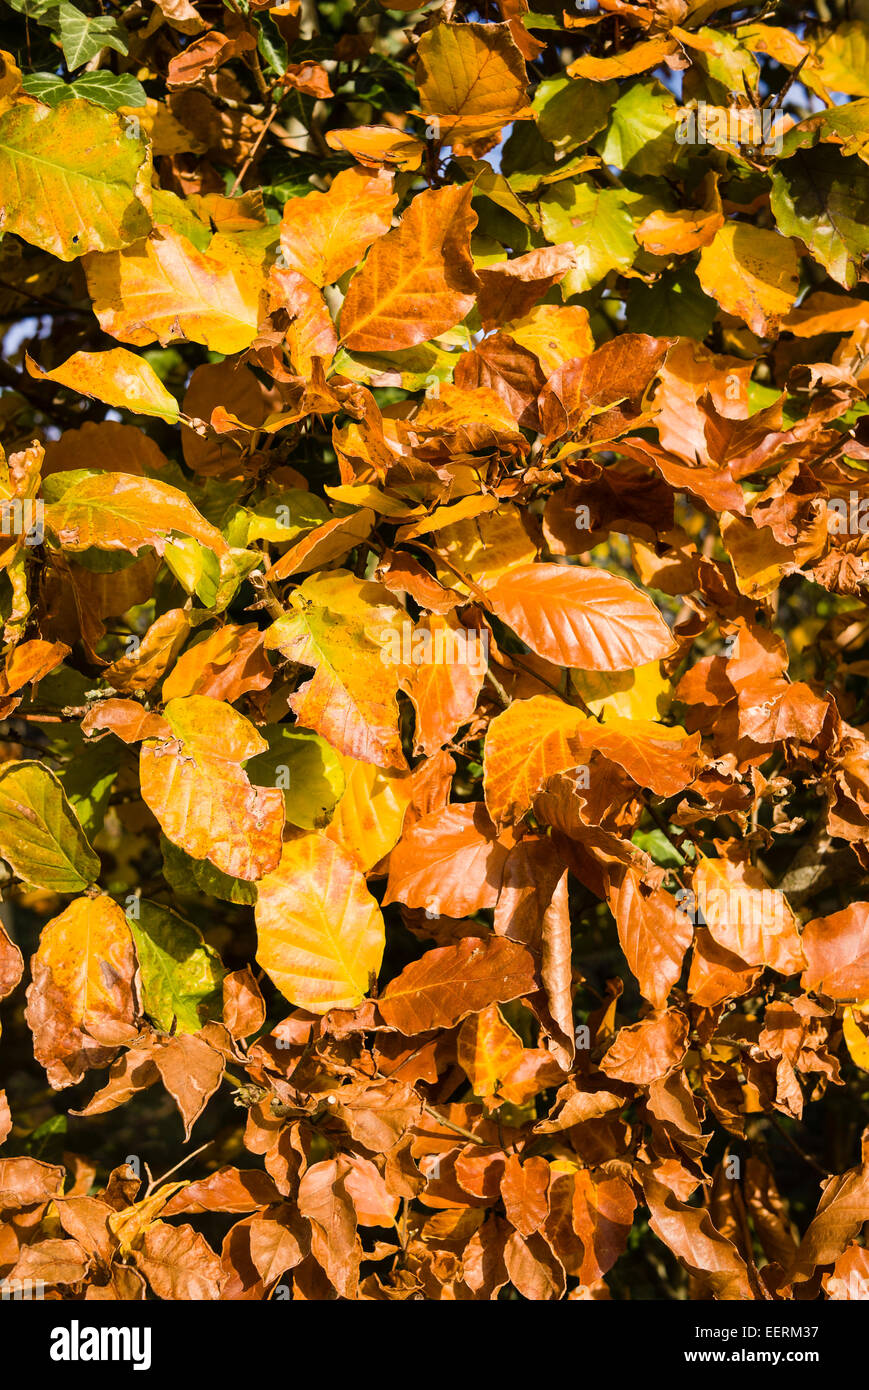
{"x": 40, "y": 836}
{"x": 571, "y": 110}
{"x": 196, "y": 568}
{"x": 722, "y": 68}
{"x": 533, "y": 20}
{"x": 180, "y": 973}
{"x": 271, "y": 45}
{"x": 110, "y": 89}
{"x": 82, "y": 38}
{"x": 656, "y": 844}
{"x": 674, "y": 304}
{"x": 281, "y": 517}
{"x": 89, "y": 776}
{"x": 43, "y": 11}
{"x": 71, "y": 179}
{"x": 213, "y": 580}
{"x": 847, "y": 126}
{"x": 48, "y": 1141}
{"x": 48, "y": 88}
{"x": 171, "y": 211}
{"x": 306, "y": 767}
{"x": 824, "y": 199}
{"x": 184, "y": 874}
{"x": 599, "y": 222}
{"x": 641, "y": 137}
{"x": 414, "y": 368}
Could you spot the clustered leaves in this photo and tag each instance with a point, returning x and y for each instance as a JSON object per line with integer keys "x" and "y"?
{"x": 434, "y": 578}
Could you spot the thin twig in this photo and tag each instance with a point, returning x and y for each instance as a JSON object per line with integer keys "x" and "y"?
{"x": 807, "y": 1158}
{"x": 457, "y": 1129}
{"x": 186, "y": 1159}
{"x": 252, "y": 156}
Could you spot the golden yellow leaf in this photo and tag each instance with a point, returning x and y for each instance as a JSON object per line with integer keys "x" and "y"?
{"x": 196, "y": 786}
{"x": 324, "y": 234}
{"x": 164, "y": 289}
{"x": 753, "y": 273}
{"x": 117, "y": 378}
{"x": 472, "y": 78}
{"x": 320, "y": 931}
{"x": 367, "y": 821}
{"x": 81, "y": 1004}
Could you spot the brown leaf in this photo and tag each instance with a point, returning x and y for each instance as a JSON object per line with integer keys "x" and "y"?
{"x": 448, "y": 983}
{"x": 695, "y": 1242}
{"x": 449, "y": 862}
{"x": 244, "y": 1010}
{"x": 325, "y": 1200}
{"x": 533, "y": 909}
{"x": 277, "y": 1243}
{"x": 52, "y": 1262}
{"x": 418, "y": 280}
{"x": 229, "y": 1189}
{"x": 605, "y": 391}
{"x": 840, "y": 1216}
{"x": 11, "y": 964}
{"x": 26, "y": 1182}
{"x": 533, "y": 1268}
{"x": 191, "y": 1071}
{"x": 654, "y": 936}
{"x": 524, "y": 1188}
{"x": 133, "y": 1071}
{"x": 178, "y": 1263}
{"x": 646, "y": 1051}
{"x": 483, "y": 1265}
{"x": 511, "y": 288}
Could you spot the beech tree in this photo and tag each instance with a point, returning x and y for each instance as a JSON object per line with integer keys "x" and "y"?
{"x": 433, "y": 763}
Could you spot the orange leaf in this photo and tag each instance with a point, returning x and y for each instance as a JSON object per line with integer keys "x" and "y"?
{"x": 324, "y": 234}
{"x": 451, "y": 982}
{"x": 418, "y": 280}
{"x": 648, "y": 1050}
{"x": 654, "y": 936}
{"x": 81, "y": 1004}
{"x": 837, "y": 950}
{"x": 581, "y": 616}
{"x": 194, "y": 782}
{"x": 487, "y": 1049}
{"x": 449, "y": 862}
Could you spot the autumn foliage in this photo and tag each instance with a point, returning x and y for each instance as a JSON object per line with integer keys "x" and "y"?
{"x": 433, "y": 764}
